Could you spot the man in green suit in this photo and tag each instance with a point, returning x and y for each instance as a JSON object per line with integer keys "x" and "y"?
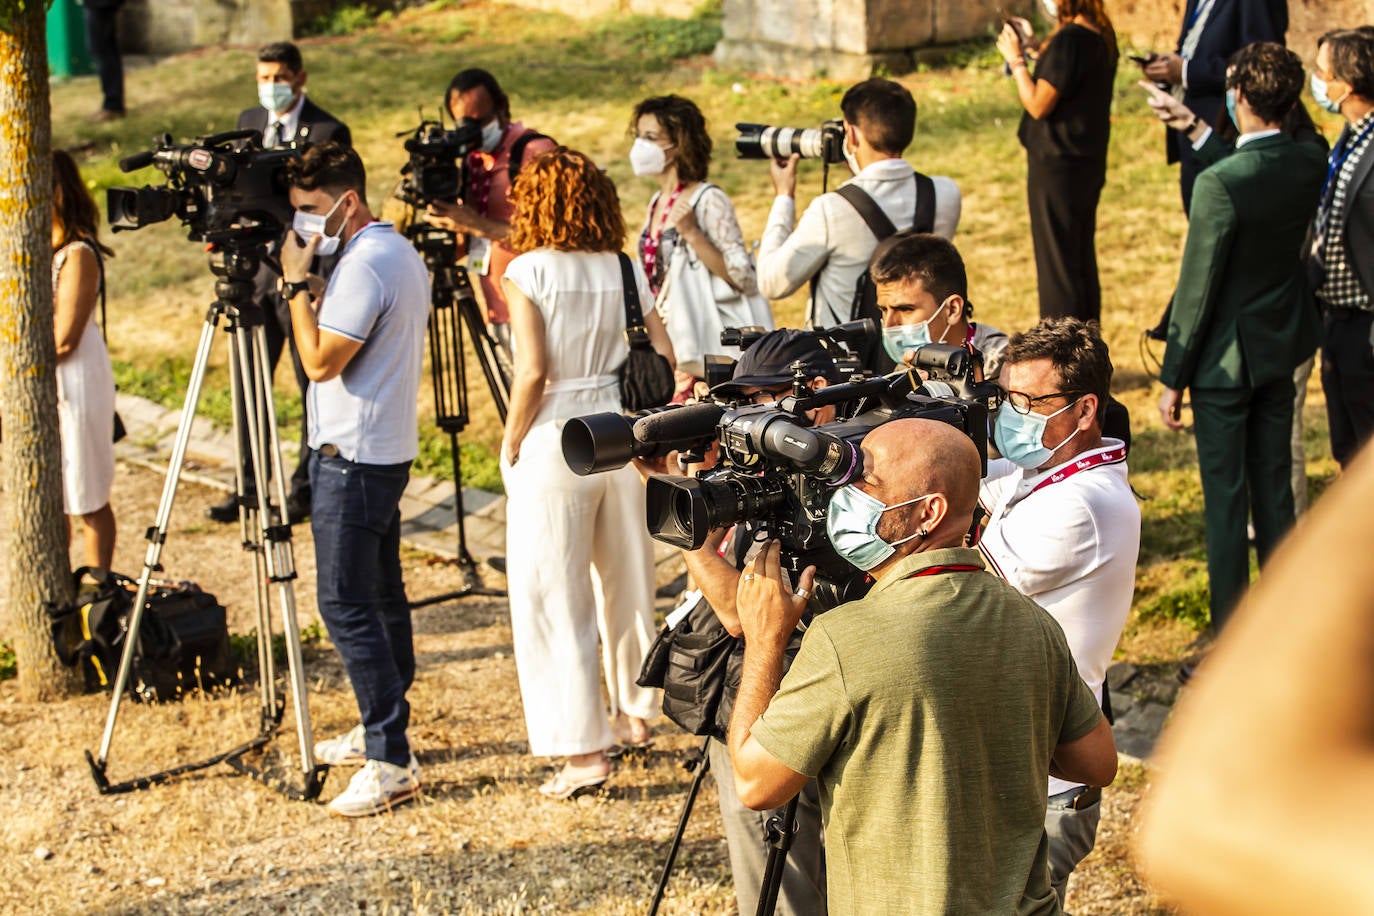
{"x": 1243, "y": 318}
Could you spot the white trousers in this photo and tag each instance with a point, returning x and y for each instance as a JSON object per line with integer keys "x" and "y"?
{"x": 580, "y": 567}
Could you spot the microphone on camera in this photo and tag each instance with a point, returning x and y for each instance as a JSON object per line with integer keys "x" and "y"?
{"x": 136, "y": 161}
{"x": 684, "y": 424}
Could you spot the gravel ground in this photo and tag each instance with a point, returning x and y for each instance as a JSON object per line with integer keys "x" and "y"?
{"x": 481, "y": 840}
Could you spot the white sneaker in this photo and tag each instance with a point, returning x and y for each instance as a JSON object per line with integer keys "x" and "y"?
{"x": 348, "y": 749}
{"x": 379, "y": 786}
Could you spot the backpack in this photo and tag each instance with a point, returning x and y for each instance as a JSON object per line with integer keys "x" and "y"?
{"x": 871, "y": 355}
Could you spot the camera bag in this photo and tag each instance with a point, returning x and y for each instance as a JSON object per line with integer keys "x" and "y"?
{"x": 689, "y": 663}
{"x": 183, "y": 640}
{"x": 646, "y": 377}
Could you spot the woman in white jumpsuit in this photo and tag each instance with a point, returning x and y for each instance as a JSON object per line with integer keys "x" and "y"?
{"x": 85, "y": 381}
{"x": 579, "y": 557}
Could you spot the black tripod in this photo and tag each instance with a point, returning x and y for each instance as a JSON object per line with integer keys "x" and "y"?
{"x": 453, "y": 308}
{"x": 781, "y": 830}
{"x": 264, "y": 529}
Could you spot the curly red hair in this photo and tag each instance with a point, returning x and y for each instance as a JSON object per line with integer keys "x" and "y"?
{"x": 563, "y": 201}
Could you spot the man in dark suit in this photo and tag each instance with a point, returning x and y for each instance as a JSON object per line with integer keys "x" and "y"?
{"x": 1212, "y": 31}
{"x": 1243, "y": 319}
{"x": 1341, "y": 263}
{"x": 102, "y": 40}
{"x": 284, "y": 117}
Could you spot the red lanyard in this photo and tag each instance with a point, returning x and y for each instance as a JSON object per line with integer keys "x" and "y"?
{"x": 937, "y": 570}
{"x": 481, "y": 166}
{"x": 1111, "y": 456}
{"x": 651, "y": 240}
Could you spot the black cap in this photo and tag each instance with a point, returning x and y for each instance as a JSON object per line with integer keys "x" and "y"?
{"x": 768, "y": 363}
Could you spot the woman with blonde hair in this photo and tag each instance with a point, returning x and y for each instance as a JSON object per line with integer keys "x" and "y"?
{"x": 85, "y": 380}
{"x": 1065, "y": 129}
{"x": 579, "y": 557}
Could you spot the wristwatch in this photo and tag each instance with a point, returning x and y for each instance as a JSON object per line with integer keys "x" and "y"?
{"x": 290, "y": 290}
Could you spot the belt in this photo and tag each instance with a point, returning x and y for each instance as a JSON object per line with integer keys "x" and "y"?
{"x": 581, "y": 383}
{"x": 1349, "y": 314}
{"x": 1076, "y": 799}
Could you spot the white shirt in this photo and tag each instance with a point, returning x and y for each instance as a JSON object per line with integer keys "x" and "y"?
{"x": 290, "y": 122}
{"x": 833, "y": 240}
{"x": 1071, "y": 546}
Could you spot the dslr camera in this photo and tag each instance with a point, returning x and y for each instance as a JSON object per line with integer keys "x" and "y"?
{"x": 761, "y": 141}
{"x": 434, "y": 170}
{"x": 776, "y": 470}
{"x": 223, "y": 187}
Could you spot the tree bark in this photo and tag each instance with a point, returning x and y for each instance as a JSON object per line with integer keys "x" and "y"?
{"x": 39, "y": 566}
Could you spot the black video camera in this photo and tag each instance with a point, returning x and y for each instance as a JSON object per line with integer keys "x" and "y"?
{"x": 223, "y": 187}
{"x": 434, "y": 170}
{"x": 776, "y": 469}
{"x": 761, "y": 141}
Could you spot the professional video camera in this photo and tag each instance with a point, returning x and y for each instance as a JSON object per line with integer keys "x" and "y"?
{"x": 760, "y": 141}
{"x": 434, "y": 170}
{"x": 775, "y": 469}
{"x": 224, "y": 187}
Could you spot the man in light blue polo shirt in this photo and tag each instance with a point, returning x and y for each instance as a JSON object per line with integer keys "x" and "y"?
{"x": 361, "y": 344}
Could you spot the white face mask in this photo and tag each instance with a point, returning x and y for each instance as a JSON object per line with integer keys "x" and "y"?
{"x": 491, "y": 135}
{"x": 647, "y": 158}
{"x": 275, "y": 97}
{"x": 309, "y": 225}
{"x": 1051, "y": 9}
{"x": 851, "y": 156}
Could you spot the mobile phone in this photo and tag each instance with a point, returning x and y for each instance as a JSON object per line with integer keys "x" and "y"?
{"x": 1142, "y": 61}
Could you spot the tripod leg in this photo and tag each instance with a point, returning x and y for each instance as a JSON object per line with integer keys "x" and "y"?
{"x": 782, "y": 828}
{"x": 157, "y": 534}
{"x": 702, "y": 767}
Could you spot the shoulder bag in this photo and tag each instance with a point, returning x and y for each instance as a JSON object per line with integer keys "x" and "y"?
{"x": 646, "y": 378}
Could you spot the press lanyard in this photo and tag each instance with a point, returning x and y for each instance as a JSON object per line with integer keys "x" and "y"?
{"x": 1111, "y": 456}
{"x": 652, "y": 238}
{"x": 1198, "y": 11}
{"x": 1335, "y": 162}
{"x": 947, "y": 568}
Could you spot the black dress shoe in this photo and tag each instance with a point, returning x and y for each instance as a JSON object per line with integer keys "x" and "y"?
{"x": 225, "y": 512}
{"x": 298, "y": 506}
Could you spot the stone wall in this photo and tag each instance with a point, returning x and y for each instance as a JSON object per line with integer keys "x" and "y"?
{"x": 1155, "y": 23}
{"x": 682, "y": 9}
{"x": 170, "y": 26}
{"x": 846, "y": 39}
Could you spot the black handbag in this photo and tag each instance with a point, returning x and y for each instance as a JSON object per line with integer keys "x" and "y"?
{"x": 646, "y": 378}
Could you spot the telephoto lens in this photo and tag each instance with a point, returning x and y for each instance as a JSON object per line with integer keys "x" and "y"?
{"x": 763, "y": 141}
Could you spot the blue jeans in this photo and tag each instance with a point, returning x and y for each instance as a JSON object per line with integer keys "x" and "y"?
{"x": 356, "y": 521}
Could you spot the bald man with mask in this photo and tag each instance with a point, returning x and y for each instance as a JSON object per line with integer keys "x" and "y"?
{"x": 931, "y": 712}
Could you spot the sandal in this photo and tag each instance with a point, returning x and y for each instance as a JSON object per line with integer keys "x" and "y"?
{"x": 630, "y": 735}
{"x": 567, "y": 783}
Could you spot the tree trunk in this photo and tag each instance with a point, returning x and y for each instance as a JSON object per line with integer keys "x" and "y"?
{"x": 38, "y": 562}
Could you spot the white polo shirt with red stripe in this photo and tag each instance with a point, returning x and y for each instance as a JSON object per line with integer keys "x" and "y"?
{"x": 1068, "y": 537}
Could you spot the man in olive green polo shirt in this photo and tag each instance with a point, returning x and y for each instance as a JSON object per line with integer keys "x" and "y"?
{"x": 931, "y": 711}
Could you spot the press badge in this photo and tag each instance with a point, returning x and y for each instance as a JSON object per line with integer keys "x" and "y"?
{"x": 479, "y": 255}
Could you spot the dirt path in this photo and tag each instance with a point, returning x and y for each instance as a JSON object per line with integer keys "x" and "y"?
{"x": 481, "y": 840}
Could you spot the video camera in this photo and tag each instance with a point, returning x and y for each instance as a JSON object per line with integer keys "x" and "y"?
{"x": 761, "y": 141}
{"x": 434, "y": 170}
{"x": 223, "y": 187}
{"x": 776, "y": 469}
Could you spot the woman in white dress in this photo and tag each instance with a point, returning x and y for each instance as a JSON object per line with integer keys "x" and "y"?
{"x": 672, "y": 146}
{"x": 579, "y": 557}
{"x": 85, "y": 381}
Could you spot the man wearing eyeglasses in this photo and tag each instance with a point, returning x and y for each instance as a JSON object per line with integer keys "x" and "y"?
{"x": 1063, "y": 526}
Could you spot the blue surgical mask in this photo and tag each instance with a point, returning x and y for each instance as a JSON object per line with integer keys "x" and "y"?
{"x": 852, "y": 523}
{"x": 1320, "y": 87}
{"x": 897, "y": 340}
{"x": 1020, "y": 436}
{"x": 275, "y": 96}
{"x": 1231, "y": 107}
{"x": 491, "y": 135}
{"x": 309, "y": 225}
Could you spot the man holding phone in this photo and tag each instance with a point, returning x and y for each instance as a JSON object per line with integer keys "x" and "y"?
{"x": 1195, "y": 72}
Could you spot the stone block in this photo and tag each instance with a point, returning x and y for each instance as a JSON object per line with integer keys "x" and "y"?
{"x": 171, "y": 26}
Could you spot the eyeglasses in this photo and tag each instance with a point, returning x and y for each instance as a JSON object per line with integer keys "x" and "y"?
{"x": 1022, "y": 402}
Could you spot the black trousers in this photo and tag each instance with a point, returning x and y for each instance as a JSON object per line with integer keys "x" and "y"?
{"x": 1348, "y": 380}
{"x": 1062, "y": 195}
{"x": 102, "y": 40}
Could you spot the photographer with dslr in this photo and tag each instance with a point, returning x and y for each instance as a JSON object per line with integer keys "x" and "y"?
{"x": 922, "y": 292}
{"x": 362, "y": 345}
{"x": 284, "y": 117}
{"x": 484, "y": 213}
{"x": 1058, "y": 465}
{"x": 931, "y": 711}
{"x": 763, "y": 374}
{"x": 832, "y": 243}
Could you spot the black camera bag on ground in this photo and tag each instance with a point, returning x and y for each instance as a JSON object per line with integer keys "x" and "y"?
{"x": 646, "y": 378}
{"x": 183, "y": 637}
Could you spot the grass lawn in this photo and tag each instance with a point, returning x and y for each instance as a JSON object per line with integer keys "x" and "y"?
{"x": 577, "y": 81}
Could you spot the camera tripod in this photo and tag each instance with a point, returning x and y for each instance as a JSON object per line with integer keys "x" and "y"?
{"x": 265, "y": 534}
{"x": 781, "y": 830}
{"x": 453, "y": 308}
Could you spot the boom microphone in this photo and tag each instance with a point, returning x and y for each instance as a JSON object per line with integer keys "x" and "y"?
{"x": 692, "y": 421}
